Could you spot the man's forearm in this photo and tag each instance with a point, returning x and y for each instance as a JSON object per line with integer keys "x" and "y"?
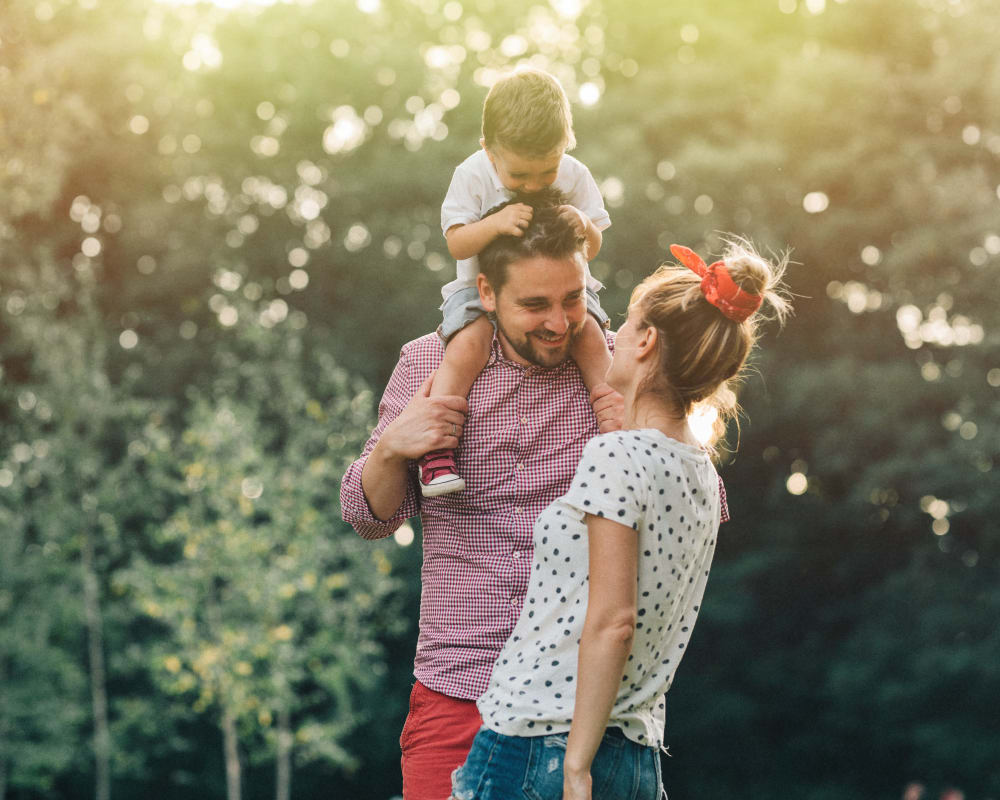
{"x": 383, "y": 480}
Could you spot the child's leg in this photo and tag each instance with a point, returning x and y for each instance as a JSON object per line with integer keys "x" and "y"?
{"x": 464, "y": 358}
{"x": 590, "y": 352}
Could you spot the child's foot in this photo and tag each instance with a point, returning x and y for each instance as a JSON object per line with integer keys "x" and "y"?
{"x": 438, "y": 474}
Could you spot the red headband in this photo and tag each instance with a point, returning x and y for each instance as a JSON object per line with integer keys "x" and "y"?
{"x": 718, "y": 287}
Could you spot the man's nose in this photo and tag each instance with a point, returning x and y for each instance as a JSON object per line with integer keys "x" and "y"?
{"x": 557, "y": 321}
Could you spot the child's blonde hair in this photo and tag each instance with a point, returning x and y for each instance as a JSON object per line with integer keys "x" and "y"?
{"x": 527, "y": 112}
{"x": 701, "y": 350}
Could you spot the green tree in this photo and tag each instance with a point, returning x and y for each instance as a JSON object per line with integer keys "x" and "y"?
{"x": 271, "y": 607}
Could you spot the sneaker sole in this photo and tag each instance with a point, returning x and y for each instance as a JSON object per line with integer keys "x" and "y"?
{"x": 437, "y": 489}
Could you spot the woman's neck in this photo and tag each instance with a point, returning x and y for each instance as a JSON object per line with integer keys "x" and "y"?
{"x": 648, "y": 411}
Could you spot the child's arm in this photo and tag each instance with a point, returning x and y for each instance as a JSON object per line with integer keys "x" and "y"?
{"x": 466, "y": 241}
{"x": 585, "y": 227}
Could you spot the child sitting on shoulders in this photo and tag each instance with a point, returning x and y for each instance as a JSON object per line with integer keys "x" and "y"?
{"x": 527, "y": 129}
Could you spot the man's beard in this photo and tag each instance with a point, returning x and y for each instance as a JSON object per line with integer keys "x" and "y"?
{"x": 526, "y": 349}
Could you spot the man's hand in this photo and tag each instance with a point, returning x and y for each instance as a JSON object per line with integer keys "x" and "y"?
{"x": 512, "y": 220}
{"x": 574, "y": 217}
{"x": 427, "y": 423}
{"x": 609, "y": 407}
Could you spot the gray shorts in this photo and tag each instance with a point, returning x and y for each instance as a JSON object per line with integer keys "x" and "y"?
{"x": 464, "y": 306}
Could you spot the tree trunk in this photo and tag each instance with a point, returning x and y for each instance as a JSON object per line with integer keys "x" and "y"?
{"x": 4, "y": 730}
{"x": 283, "y": 779}
{"x": 98, "y": 689}
{"x": 231, "y": 752}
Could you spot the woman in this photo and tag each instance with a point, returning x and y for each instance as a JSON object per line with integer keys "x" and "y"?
{"x": 575, "y": 705}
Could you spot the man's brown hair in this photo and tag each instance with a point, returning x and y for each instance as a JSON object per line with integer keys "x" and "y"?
{"x": 549, "y": 234}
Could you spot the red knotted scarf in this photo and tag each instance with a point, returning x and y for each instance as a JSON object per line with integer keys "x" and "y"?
{"x": 718, "y": 287}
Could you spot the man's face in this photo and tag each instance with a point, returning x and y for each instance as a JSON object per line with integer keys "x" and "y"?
{"x": 540, "y": 310}
{"x": 524, "y": 175}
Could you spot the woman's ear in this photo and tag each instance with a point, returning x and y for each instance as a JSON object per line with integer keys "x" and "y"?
{"x": 646, "y": 341}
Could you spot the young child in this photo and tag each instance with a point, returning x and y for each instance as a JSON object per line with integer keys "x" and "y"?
{"x": 527, "y": 129}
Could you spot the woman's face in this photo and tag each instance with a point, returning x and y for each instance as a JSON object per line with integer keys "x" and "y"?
{"x": 624, "y": 366}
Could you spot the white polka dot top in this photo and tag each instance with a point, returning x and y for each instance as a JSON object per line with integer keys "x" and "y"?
{"x": 668, "y": 494}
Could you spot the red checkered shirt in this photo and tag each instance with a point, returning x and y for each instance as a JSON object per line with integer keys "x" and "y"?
{"x": 523, "y": 437}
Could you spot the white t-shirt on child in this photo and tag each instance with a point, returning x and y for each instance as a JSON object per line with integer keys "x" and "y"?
{"x": 476, "y": 188}
{"x": 667, "y": 492}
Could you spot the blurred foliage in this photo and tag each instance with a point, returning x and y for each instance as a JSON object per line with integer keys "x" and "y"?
{"x": 217, "y": 226}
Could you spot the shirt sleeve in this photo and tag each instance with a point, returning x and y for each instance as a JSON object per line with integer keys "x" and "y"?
{"x": 587, "y": 197}
{"x": 353, "y": 503}
{"x": 606, "y": 483}
{"x": 463, "y": 201}
{"x": 723, "y": 504}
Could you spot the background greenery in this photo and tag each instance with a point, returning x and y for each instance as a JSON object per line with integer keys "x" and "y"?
{"x": 217, "y": 226}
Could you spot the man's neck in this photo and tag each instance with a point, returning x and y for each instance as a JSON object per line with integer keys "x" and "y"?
{"x": 510, "y": 353}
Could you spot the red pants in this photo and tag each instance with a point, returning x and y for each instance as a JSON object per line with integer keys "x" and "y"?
{"x": 436, "y": 738}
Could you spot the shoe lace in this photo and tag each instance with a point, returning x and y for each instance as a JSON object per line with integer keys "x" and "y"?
{"x": 438, "y": 462}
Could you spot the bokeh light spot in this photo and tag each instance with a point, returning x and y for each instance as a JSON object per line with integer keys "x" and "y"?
{"x": 404, "y": 535}
{"x": 797, "y": 483}
{"x": 689, "y": 33}
{"x": 589, "y": 93}
{"x": 815, "y": 202}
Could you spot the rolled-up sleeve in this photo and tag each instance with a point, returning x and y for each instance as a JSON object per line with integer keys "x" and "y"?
{"x": 353, "y": 503}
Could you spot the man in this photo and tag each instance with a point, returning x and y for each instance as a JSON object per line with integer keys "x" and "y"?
{"x": 522, "y": 431}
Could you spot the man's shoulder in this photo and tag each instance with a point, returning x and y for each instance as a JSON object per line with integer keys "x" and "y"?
{"x": 428, "y": 350}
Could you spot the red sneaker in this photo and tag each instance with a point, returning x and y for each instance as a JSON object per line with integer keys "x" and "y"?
{"x": 438, "y": 474}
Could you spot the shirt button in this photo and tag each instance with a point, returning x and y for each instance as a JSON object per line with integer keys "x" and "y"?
{"x": 518, "y": 509}
{"x": 520, "y": 465}
{"x": 524, "y": 420}
{"x": 516, "y": 554}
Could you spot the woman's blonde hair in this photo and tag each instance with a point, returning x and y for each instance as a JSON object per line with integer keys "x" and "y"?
{"x": 702, "y": 351}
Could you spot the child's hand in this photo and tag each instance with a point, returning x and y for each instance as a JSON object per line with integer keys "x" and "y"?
{"x": 609, "y": 408}
{"x": 512, "y": 220}
{"x": 574, "y": 217}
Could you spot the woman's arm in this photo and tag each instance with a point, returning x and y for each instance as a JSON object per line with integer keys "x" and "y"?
{"x": 608, "y": 631}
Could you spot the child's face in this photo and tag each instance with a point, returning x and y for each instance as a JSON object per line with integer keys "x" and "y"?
{"x": 521, "y": 174}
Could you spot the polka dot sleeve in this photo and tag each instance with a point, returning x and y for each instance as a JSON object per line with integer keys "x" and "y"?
{"x": 608, "y": 483}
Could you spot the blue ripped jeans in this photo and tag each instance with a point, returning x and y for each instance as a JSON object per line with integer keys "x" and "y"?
{"x": 502, "y": 767}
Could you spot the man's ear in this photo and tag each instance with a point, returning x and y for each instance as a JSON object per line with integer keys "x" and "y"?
{"x": 486, "y": 293}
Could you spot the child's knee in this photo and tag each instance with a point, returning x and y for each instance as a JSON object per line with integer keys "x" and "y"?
{"x": 471, "y": 342}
